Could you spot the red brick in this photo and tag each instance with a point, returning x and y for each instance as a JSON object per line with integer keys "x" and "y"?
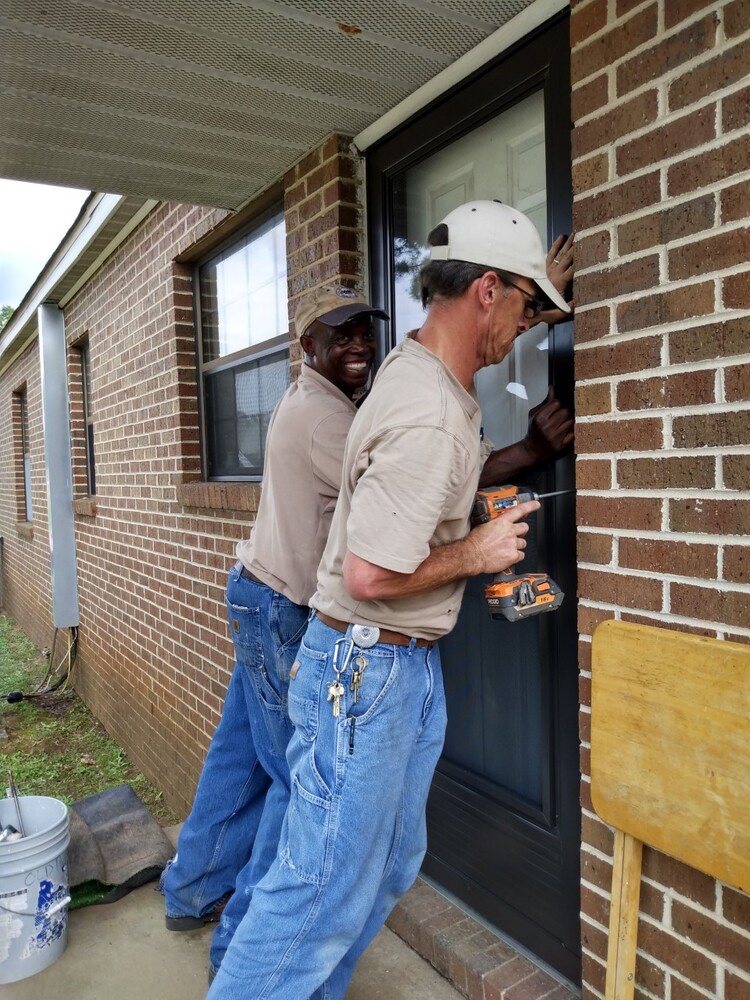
{"x": 628, "y": 513}
{"x": 736, "y": 18}
{"x": 710, "y": 516}
{"x": 663, "y": 143}
{"x": 592, "y": 324}
{"x": 631, "y": 276}
{"x": 594, "y": 975}
{"x": 594, "y": 548}
{"x": 509, "y": 974}
{"x": 593, "y": 399}
{"x": 712, "y": 253}
{"x": 735, "y": 987}
{"x": 590, "y": 250}
{"x": 593, "y": 474}
{"x": 680, "y": 11}
{"x": 666, "y": 307}
{"x": 724, "y": 606}
{"x": 613, "y": 45}
{"x": 711, "y": 430}
{"x": 708, "y": 342}
{"x": 706, "y": 932}
{"x": 735, "y": 290}
{"x": 596, "y": 133}
{"x": 685, "y": 389}
{"x": 736, "y": 470}
{"x": 708, "y": 167}
{"x": 621, "y": 199}
{"x": 586, "y": 21}
{"x": 596, "y": 871}
{"x": 662, "y": 227}
{"x": 620, "y": 589}
{"x": 727, "y": 68}
{"x": 737, "y": 383}
{"x": 666, "y": 55}
{"x": 735, "y": 110}
{"x": 737, "y": 566}
{"x": 589, "y": 97}
{"x": 669, "y": 558}
{"x": 676, "y": 954}
{"x": 590, "y": 173}
{"x": 666, "y": 473}
{"x": 680, "y": 990}
{"x": 618, "y": 359}
{"x": 615, "y": 436}
{"x": 597, "y": 834}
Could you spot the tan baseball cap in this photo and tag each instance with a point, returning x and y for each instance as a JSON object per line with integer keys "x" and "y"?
{"x": 332, "y": 305}
{"x": 494, "y": 235}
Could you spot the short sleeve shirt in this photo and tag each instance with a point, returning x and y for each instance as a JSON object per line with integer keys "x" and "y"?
{"x": 411, "y": 469}
{"x": 301, "y": 479}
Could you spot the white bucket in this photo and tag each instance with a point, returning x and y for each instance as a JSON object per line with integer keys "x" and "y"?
{"x": 33, "y": 887}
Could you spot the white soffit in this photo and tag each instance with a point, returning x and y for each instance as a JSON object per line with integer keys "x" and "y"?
{"x": 210, "y": 102}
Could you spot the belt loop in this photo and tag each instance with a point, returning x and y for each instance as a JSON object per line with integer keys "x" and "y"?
{"x": 412, "y": 645}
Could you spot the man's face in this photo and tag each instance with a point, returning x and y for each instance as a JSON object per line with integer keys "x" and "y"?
{"x": 342, "y": 354}
{"x": 507, "y": 318}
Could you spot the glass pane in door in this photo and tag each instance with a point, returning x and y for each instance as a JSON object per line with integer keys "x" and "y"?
{"x": 494, "y": 673}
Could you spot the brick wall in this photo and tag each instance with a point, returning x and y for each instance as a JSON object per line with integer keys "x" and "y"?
{"x": 25, "y": 548}
{"x": 661, "y": 108}
{"x": 155, "y": 544}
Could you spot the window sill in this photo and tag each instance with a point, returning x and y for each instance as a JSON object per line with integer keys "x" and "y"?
{"x": 85, "y": 506}
{"x": 25, "y": 529}
{"x": 220, "y": 496}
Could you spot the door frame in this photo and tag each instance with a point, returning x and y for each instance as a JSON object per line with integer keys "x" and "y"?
{"x": 540, "y": 60}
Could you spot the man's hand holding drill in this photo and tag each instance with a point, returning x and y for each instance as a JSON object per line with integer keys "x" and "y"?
{"x": 500, "y": 543}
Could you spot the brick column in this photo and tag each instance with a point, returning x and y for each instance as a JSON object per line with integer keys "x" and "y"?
{"x": 323, "y": 212}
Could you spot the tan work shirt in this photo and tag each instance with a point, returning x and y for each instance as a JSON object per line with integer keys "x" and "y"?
{"x": 411, "y": 469}
{"x": 301, "y": 478}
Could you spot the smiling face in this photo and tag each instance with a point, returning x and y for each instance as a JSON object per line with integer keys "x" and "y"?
{"x": 343, "y": 354}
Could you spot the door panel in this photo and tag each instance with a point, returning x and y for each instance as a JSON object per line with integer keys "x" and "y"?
{"x": 503, "y": 819}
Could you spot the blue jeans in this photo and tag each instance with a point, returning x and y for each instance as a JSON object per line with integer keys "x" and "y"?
{"x": 230, "y": 838}
{"x": 354, "y": 835}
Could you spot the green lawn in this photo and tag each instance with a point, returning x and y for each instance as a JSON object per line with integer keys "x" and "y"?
{"x": 52, "y": 743}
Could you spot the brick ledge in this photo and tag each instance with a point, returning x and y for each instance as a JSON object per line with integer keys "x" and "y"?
{"x": 477, "y": 962}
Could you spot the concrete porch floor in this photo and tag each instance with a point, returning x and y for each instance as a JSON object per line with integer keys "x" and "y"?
{"x": 122, "y": 951}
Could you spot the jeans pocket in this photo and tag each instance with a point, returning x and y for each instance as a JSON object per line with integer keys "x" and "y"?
{"x": 305, "y": 690}
{"x": 245, "y": 629}
{"x": 308, "y": 829}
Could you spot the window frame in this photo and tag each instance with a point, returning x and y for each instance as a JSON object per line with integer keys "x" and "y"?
{"x": 257, "y": 352}
{"x": 88, "y": 420}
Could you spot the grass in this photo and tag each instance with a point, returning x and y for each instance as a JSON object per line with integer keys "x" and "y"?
{"x": 52, "y": 744}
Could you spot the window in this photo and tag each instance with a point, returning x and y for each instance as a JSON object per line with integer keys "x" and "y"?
{"x": 243, "y": 348}
{"x": 23, "y": 455}
{"x": 87, "y": 418}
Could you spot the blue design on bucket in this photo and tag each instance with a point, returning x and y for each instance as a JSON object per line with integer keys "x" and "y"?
{"x": 49, "y": 929}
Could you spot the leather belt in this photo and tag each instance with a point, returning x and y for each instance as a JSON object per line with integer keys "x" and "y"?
{"x": 386, "y": 634}
{"x": 250, "y": 576}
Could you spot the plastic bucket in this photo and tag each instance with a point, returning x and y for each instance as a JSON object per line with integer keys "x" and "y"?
{"x": 33, "y": 887}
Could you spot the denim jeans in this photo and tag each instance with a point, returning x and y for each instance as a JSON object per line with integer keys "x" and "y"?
{"x": 230, "y": 838}
{"x": 354, "y": 835}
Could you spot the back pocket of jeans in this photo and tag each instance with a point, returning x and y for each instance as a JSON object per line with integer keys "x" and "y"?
{"x": 244, "y": 627}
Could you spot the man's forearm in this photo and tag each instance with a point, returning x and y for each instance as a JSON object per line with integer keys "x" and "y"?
{"x": 446, "y": 563}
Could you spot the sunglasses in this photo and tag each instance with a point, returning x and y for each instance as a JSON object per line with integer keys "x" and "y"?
{"x": 533, "y": 305}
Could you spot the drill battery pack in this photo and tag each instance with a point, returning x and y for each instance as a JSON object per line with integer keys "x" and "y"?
{"x": 518, "y": 596}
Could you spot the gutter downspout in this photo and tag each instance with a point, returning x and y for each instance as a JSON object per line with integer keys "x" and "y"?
{"x": 58, "y": 466}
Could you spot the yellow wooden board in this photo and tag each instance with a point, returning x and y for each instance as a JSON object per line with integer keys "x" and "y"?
{"x": 670, "y": 744}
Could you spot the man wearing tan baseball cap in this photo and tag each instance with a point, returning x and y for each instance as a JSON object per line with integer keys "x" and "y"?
{"x": 232, "y": 833}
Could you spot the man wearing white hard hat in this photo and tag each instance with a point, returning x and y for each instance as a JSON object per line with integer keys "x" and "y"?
{"x": 365, "y": 694}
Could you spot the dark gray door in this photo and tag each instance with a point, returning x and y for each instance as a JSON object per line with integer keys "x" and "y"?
{"x": 503, "y": 818}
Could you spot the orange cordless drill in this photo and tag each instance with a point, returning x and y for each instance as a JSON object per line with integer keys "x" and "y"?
{"x": 515, "y": 596}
